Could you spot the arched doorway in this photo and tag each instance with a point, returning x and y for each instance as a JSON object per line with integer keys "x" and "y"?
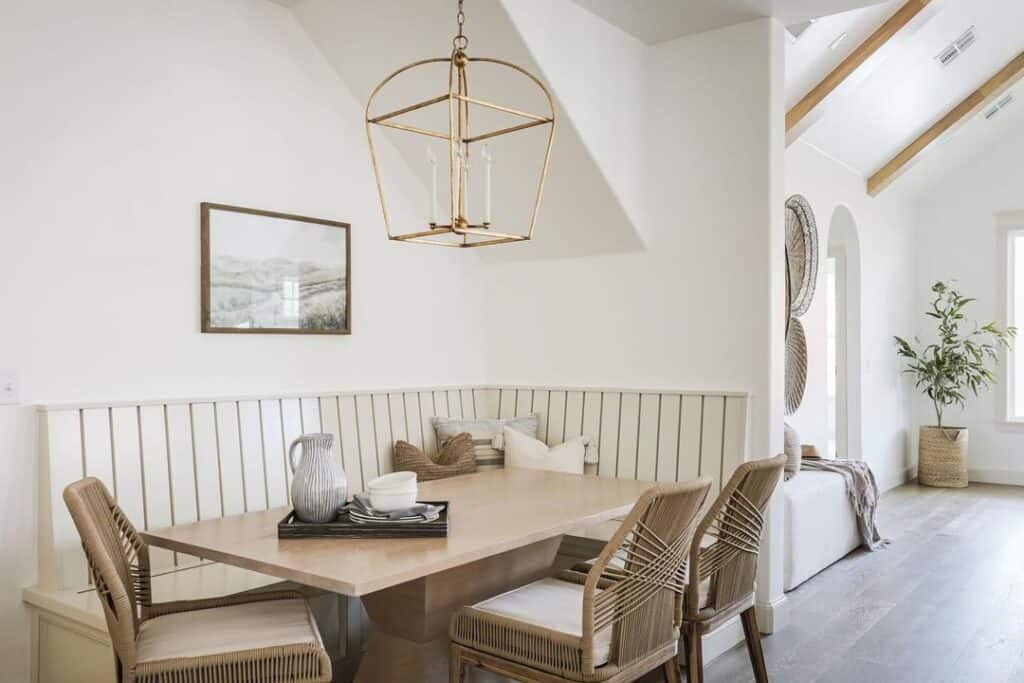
{"x": 842, "y": 285}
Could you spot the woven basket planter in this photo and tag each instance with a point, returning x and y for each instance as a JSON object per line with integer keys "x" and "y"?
{"x": 942, "y": 457}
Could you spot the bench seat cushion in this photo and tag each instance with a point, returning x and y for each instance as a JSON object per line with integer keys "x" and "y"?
{"x": 821, "y": 525}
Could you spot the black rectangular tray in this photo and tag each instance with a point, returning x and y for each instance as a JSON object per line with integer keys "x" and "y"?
{"x": 343, "y": 527}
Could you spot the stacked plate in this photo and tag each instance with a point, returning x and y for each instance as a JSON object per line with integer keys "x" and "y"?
{"x": 361, "y": 511}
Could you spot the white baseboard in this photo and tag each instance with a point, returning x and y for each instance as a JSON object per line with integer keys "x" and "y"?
{"x": 891, "y": 479}
{"x": 722, "y": 640}
{"x": 984, "y": 475}
{"x": 771, "y": 615}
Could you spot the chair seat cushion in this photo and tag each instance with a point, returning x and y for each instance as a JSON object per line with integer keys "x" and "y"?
{"x": 224, "y": 630}
{"x": 552, "y": 604}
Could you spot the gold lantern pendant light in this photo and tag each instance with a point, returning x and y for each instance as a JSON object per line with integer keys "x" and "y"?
{"x": 460, "y": 230}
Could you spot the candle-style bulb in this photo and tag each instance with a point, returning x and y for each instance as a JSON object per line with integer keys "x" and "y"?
{"x": 432, "y": 162}
{"x": 488, "y": 159}
{"x": 463, "y": 175}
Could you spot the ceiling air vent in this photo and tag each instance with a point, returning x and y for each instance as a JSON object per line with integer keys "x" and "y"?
{"x": 998, "y": 106}
{"x": 956, "y": 48}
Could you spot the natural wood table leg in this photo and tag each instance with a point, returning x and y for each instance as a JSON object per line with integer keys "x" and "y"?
{"x": 409, "y": 641}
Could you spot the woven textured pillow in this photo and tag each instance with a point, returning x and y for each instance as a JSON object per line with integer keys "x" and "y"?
{"x": 457, "y": 457}
{"x": 483, "y": 432}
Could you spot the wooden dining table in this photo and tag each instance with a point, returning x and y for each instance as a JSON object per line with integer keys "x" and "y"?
{"x": 505, "y": 528}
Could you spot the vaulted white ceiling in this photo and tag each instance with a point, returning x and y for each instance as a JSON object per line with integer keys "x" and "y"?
{"x": 654, "y": 21}
{"x": 890, "y": 101}
{"x": 896, "y": 98}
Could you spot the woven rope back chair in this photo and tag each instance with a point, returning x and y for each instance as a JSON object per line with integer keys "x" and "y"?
{"x": 615, "y": 623}
{"x": 722, "y": 575}
{"x": 268, "y": 637}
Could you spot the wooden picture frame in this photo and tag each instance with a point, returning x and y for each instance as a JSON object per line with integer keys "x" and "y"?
{"x": 258, "y": 285}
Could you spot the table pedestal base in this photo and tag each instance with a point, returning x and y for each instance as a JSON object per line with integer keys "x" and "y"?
{"x": 409, "y": 641}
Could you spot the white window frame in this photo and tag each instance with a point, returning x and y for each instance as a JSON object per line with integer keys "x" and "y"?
{"x": 1009, "y": 226}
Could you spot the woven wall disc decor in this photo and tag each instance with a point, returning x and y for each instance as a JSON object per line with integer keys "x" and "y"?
{"x": 789, "y": 297}
{"x": 801, "y": 253}
{"x": 796, "y": 365}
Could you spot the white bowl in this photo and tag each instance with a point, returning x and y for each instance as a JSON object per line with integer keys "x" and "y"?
{"x": 389, "y": 501}
{"x": 396, "y": 481}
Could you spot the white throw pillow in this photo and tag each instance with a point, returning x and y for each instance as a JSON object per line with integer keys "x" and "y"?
{"x": 527, "y": 453}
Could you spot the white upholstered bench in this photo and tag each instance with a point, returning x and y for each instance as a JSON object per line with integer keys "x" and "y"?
{"x": 174, "y": 461}
{"x": 821, "y": 525}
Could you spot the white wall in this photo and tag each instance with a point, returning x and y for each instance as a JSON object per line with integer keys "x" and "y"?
{"x": 601, "y": 53}
{"x": 131, "y": 113}
{"x": 119, "y": 118}
{"x": 17, "y": 537}
{"x": 691, "y": 308}
{"x": 957, "y": 239}
{"x": 885, "y": 227}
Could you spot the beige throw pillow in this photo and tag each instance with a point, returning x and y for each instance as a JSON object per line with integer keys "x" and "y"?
{"x": 527, "y": 453}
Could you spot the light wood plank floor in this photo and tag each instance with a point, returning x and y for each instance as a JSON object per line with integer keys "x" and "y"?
{"x": 944, "y": 603}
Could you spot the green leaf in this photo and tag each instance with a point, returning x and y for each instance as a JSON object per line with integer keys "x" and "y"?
{"x": 955, "y": 362}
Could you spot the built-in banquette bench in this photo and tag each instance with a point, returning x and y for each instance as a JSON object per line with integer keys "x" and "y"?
{"x": 177, "y": 461}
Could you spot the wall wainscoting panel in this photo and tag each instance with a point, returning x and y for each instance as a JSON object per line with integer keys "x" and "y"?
{"x": 177, "y": 461}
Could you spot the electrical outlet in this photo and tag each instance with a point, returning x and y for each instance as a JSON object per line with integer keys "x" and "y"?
{"x": 8, "y": 387}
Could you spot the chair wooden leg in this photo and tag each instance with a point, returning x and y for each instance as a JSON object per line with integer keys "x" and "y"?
{"x": 694, "y": 657}
{"x": 672, "y": 671}
{"x": 456, "y": 669}
{"x": 753, "y": 636}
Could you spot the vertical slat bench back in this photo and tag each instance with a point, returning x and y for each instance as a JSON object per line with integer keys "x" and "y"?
{"x": 654, "y": 435}
{"x": 178, "y": 461}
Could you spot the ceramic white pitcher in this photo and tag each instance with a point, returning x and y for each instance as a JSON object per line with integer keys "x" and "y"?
{"x": 319, "y": 487}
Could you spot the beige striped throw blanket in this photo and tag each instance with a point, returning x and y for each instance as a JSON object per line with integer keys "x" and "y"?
{"x": 862, "y": 490}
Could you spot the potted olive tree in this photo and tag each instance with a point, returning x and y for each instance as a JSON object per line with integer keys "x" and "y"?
{"x": 959, "y": 361}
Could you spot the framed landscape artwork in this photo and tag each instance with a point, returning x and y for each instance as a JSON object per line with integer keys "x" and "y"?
{"x": 266, "y": 272}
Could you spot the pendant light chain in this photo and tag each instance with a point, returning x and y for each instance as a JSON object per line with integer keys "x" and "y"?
{"x": 460, "y": 41}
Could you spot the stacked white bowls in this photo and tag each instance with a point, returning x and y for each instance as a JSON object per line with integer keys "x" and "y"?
{"x": 395, "y": 491}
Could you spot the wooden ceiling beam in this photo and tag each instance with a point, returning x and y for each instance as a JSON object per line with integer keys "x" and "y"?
{"x": 861, "y": 54}
{"x": 989, "y": 91}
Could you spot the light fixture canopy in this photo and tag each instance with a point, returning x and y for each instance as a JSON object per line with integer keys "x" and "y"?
{"x": 460, "y": 231}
